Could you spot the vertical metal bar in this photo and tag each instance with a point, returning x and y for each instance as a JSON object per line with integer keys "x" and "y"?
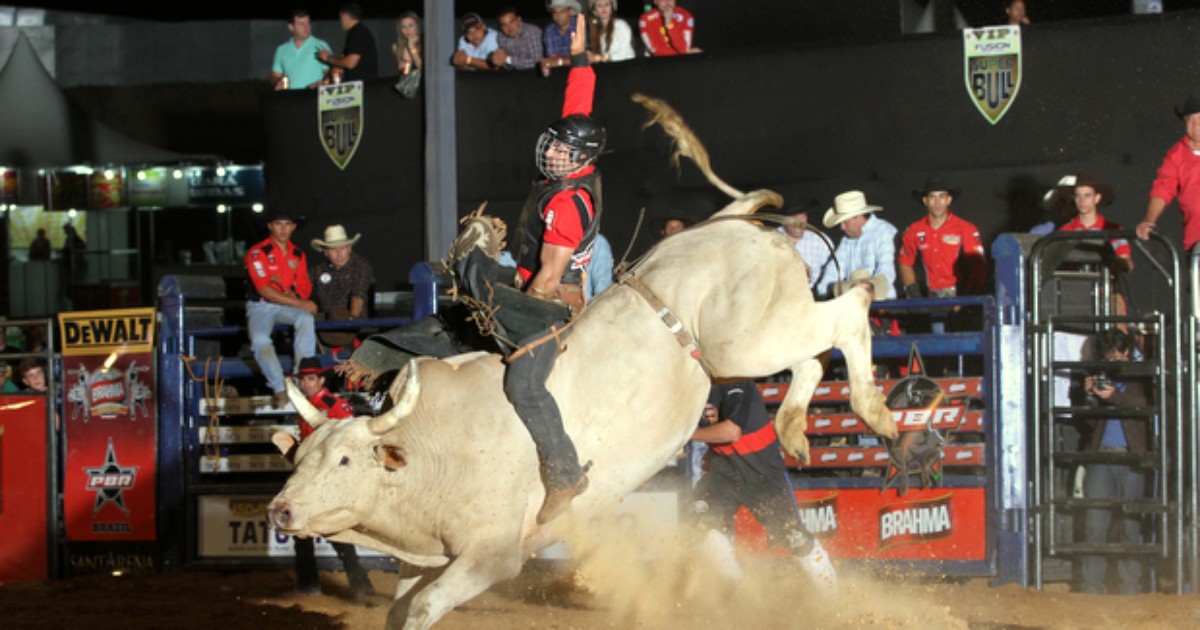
{"x": 441, "y": 151}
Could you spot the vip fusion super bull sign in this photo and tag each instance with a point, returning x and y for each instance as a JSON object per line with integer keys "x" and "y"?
{"x": 109, "y": 423}
{"x": 992, "y": 60}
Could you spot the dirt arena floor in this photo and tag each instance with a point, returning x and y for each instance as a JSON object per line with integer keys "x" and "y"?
{"x": 549, "y": 596}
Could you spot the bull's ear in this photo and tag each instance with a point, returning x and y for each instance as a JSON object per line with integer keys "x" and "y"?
{"x": 286, "y": 443}
{"x": 391, "y": 456}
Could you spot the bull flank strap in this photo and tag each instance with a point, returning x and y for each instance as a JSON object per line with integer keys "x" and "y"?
{"x": 690, "y": 344}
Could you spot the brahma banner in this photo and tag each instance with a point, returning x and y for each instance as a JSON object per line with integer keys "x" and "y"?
{"x": 109, "y": 427}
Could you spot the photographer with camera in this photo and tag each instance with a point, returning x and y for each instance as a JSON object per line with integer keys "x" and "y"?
{"x": 1113, "y": 481}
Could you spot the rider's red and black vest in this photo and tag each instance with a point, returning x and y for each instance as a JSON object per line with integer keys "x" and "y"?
{"x": 531, "y": 227}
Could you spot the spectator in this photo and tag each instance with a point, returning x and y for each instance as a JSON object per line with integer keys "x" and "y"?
{"x": 476, "y": 46}
{"x": 609, "y": 37}
{"x": 312, "y": 383}
{"x": 520, "y": 43}
{"x": 296, "y": 66}
{"x": 744, "y": 467}
{"x": 1015, "y": 10}
{"x": 1179, "y": 176}
{"x": 341, "y": 284}
{"x": 359, "y": 60}
{"x": 74, "y": 259}
{"x": 33, "y": 375}
{"x": 674, "y": 223}
{"x": 1120, "y": 482}
{"x": 813, "y": 247}
{"x": 667, "y": 30}
{"x": 868, "y": 243}
{"x": 6, "y": 367}
{"x": 599, "y": 268}
{"x": 556, "y": 39}
{"x": 408, "y": 44}
{"x": 40, "y": 248}
{"x": 944, "y": 242}
{"x": 1090, "y": 194}
{"x": 278, "y": 293}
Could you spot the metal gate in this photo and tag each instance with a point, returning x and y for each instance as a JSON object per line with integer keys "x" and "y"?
{"x": 1074, "y": 293}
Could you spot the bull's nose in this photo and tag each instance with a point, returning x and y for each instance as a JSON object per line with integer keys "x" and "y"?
{"x": 280, "y": 515}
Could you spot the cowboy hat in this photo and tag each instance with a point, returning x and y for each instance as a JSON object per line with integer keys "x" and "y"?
{"x": 569, "y": 4}
{"x": 1084, "y": 178}
{"x": 1189, "y": 106}
{"x": 310, "y": 365}
{"x": 283, "y": 215}
{"x": 335, "y": 237}
{"x": 933, "y": 184}
{"x": 879, "y": 283}
{"x": 848, "y": 204}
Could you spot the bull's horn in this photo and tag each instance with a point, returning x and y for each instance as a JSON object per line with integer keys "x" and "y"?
{"x": 310, "y": 413}
{"x": 405, "y": 400}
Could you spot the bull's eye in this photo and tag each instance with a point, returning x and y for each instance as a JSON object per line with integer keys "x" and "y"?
{"x": 345, "y": 461}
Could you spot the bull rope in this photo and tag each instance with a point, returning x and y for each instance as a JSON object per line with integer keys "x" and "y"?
{"x": 212, "y": 394}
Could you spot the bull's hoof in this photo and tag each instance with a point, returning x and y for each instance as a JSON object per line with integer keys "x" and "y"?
{"x": 558, "y": 500}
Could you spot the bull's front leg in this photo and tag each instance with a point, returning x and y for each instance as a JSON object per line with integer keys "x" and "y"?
{"x": 791, "y": 419}
{"x": 468, "y": 575}
{"x": 854, "y": 341}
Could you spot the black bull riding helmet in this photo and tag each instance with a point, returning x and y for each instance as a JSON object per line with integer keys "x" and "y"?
{"x": 582, "y": 140}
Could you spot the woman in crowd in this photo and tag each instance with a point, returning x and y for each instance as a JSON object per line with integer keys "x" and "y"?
{"x": 609, "y": 37}
{"x": 407, "y": 47}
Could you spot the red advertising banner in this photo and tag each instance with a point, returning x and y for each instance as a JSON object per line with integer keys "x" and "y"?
{"x": 109, "y": 420}
{"x": 8, "y": 186}
{"x": 24, "y": 495}
{"x": 932, "y": 524}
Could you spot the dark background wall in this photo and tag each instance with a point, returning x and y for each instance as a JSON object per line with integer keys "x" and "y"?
{"x": 809, "y": 122}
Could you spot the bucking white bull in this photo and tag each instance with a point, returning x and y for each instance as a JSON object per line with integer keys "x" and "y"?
{"x": 447, "y": 480}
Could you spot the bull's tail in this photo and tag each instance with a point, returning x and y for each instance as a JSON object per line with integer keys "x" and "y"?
{"x": 686, "y": 142}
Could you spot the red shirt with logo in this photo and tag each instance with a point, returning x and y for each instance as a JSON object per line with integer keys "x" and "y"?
{"x": 1120, "y": 246}
{"x": 671, "y": 38}
{"x": 334, "y": 408}
{"x": 940, "y": 250}
{"x": 1179, "y": 175}
{"x": 284, "y": 269}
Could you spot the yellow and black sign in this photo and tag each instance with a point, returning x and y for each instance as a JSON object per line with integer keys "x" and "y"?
{"x": 89, "y": 333}
{"x": 340, "y": 120}
{"x": 992, "y": 68}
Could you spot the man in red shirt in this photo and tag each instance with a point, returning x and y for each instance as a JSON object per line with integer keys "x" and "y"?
{"x": 667, "y": 30}
{"x": 1179, "y": 176}
{"x": 944, "y": 241}
{"x": 278, "y": 290}
{"x": 311, "y": 379}
{"x": 557, "y": 228}
{"x": 1090, "y": 194}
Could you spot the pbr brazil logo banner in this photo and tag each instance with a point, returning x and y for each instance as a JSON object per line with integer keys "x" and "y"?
{"x": 992, "y": 57}
{"x": 340, "y": 120}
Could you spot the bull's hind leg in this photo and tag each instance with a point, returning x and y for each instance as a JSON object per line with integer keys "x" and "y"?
{"x": 468, "y": 575}
{"x": 791, "y": 420}
{"x": 854, "y": 340}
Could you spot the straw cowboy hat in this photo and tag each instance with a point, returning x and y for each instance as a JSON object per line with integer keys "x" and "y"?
{"x": 879, "y": 283}
{"x": 335, "y": 237}
{"x": 846, "y": 205}
{"x": 1107, "y": 193}
{"x": 934, "y": 184}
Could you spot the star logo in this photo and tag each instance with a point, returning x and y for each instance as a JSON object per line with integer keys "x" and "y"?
{"x": 109, "y": 480}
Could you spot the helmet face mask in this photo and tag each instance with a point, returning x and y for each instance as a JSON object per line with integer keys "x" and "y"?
{"x": 569, "y": 145}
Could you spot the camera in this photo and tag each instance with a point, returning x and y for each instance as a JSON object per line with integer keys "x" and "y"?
{"x": 1101, "y": 381}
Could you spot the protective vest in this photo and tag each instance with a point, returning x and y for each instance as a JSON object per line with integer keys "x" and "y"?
{"x": 532, "y": 228}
